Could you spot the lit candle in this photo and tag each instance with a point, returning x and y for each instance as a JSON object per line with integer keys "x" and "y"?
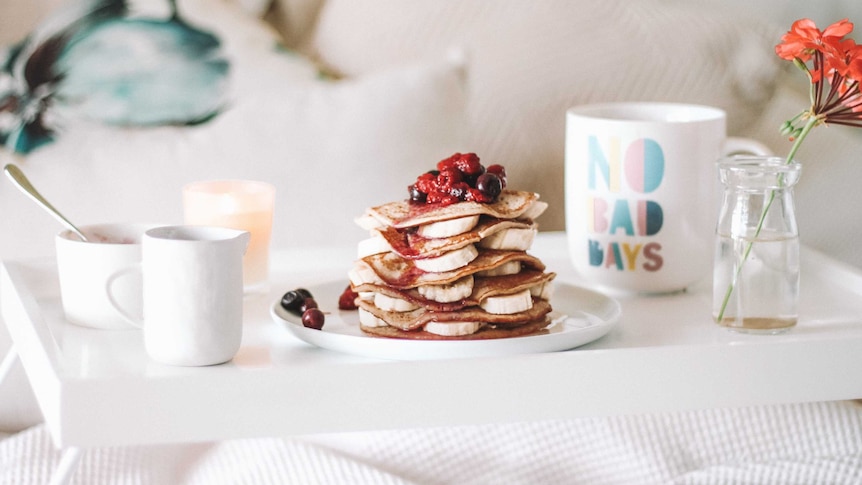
{"x": 236, "y": 204}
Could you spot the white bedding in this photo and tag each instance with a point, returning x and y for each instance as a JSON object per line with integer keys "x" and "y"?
{"x": 815, "y": 443}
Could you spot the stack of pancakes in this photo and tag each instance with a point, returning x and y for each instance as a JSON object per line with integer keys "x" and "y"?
{"x": 458, "y": 271}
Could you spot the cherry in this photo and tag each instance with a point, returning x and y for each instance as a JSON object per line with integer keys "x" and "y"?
{"x": 489, "y": 184}
{"x": 499, "y": 171}
{"x": 313, "y": 318}
{"x": 307, "y": 304}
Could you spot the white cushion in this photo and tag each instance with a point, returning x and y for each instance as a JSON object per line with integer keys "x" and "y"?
{"x": 331, "y": 148}
{"x": 530, "y": 61}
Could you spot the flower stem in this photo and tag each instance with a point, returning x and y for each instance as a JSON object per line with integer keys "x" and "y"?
{"x": 812, "y": 122}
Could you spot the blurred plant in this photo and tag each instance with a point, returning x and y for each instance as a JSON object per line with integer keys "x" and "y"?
{"x": 100, "y": 60}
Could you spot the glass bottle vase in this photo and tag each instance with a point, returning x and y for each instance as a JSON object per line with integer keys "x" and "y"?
{"x": 756, "y": 269}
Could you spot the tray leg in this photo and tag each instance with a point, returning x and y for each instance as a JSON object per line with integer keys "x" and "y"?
{"x": 8, "y": 363}
{"x": 71, "y": 455}
{"x": 68, "y": 464}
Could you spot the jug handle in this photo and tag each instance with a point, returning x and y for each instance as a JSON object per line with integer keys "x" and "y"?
{"x": 109, "y": 290}
{"x": 735, "y": 145}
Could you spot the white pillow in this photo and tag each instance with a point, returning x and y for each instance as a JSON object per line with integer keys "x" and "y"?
{"x": 331, "y": 148}
{"x": 530, "y": 61}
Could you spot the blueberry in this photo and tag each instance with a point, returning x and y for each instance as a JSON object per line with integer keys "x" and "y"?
{"x": 292, "y": 301}
{"x": 416, "y": 195}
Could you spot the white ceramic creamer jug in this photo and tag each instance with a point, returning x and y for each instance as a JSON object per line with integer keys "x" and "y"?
{"x": 192, "y": 294}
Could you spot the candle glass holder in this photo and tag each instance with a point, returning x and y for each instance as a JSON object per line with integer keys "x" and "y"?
{"x": 237, "y": 204}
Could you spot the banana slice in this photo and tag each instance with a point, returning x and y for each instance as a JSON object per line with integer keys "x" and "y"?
{"x": 370, "y": 320}
{"x": 392, "y": 304}
{"x": 512, "y": 267}
{"x": 362, "y": 273}
{"x": 449, "y": 261}
{"x": 449, "y": 228}
{"x": 368, "y": 222}
{"x": 375, "y": 244}
{"x": 535, "y": 210}
{"x": 543, "y": 291}
{"x": 452, "y": 329}
{"x": 511, "y": 239}
{"x": 454, "y": 291}
{"x": 508, "y": 304}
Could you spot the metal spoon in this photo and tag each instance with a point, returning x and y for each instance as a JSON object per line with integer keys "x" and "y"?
{"x": 18, "y": 177}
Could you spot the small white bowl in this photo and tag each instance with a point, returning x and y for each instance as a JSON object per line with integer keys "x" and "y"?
{"x": 85, "y": 269}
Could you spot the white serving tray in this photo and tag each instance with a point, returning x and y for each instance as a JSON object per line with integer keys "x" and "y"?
{"x": 99, "y": 388}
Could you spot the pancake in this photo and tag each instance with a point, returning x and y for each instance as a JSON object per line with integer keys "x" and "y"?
{"x": 409, "y": 244}
{"x": 487, "y": 332}
{"x": 482, "y": 288}
{"x": 451, "y": 263}
{"x": 511, "y": 204}
{"x": 397, "y": 272}
{"x": 415, "y": 319}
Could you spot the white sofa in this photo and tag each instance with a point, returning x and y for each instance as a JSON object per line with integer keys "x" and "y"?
{"x": 407, "y": 83}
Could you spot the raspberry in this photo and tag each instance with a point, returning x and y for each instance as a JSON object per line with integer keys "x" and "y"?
{"x": 468, "y": 164}
{"x": 448, "y": 162}
{"x": 347, "y": 300}
{"x": 441, "y": 198}
{"x": 426, "y": 183}
{"x": 447, "y": 178}
{"x": 475, "y": 195}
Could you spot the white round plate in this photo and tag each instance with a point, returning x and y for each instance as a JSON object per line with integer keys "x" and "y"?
{"x": 580, "y": 316}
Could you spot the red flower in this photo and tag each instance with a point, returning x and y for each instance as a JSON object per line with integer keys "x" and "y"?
{"x": 804, "y": 38}
{"x": 835, "y": 72}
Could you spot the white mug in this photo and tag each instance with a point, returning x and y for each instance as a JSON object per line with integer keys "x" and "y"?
{"x": 640, "y": 192}
{"x": 192, "y": 294}
{"x": 83, "y": 268}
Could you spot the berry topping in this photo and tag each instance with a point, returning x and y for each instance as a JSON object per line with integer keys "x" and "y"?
{"x": 461, "y": 177}
{"x": 347, "y": 300}
{"x": 313, "y": 318}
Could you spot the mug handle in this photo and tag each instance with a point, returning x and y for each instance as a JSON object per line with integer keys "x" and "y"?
{"x": 745, "y": 146}
{"x": 109, "y": 290}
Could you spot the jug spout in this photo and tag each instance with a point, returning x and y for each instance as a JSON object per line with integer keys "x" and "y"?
{"x": 243, "y": 239}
